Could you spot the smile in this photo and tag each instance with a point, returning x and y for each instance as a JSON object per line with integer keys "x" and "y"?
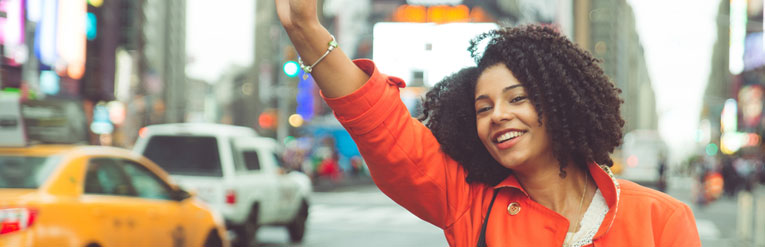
{"x": 507, "y": 136}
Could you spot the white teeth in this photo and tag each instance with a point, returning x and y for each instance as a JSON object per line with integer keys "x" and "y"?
{"x": 509, "y": 135}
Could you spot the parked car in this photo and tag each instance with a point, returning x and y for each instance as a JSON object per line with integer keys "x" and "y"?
{"x": 70, "y": 195}
{"x": 234, "y": 170}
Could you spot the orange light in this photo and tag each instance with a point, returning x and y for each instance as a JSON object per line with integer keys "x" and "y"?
{"x": 142, "y": 132}
{"x": 754, "y": 139}
{"x": 459, "y": 13}
{"x": 267, "y": 120}
{"x": 415, "y": 14}
{"x": 479, "y": 15}
{"x": 437, "y": 14}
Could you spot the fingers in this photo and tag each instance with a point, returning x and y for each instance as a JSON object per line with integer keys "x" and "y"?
{"x": 283, "y": 11}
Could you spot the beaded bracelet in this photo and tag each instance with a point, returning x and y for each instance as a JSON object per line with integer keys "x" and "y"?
{"x": 308, "y": 69}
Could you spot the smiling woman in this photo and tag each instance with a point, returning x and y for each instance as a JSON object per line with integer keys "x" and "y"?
{"x": 531, "y": 128}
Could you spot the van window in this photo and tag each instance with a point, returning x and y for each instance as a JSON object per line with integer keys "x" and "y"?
{"x": 251, "y": 160}
{"x": 185, "y": 155}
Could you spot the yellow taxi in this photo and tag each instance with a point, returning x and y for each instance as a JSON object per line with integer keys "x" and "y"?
{"x": 87, "y": 196}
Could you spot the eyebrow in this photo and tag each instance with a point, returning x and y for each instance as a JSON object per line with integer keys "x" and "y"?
{"x": 483, "y": 96}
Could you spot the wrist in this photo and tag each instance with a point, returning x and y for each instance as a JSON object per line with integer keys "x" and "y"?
{"x": 304, "y": 26}
{"x": 310, "y": 41}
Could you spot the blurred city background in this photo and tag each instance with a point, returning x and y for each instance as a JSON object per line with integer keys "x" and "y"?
{"x": 692, "y": 75}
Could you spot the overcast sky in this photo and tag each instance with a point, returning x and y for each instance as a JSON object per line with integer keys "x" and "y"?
{"x": 677, "y": 37}
{"x": 218, "y": 35}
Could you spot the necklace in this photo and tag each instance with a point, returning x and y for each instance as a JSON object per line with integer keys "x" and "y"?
{"x": 581, "y": 201}
{"x": 570, "y": 238}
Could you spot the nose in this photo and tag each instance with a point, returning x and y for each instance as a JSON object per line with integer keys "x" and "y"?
{"x": 501, "y": 113}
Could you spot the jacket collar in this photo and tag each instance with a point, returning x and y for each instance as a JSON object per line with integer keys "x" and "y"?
{"x": 606, "y": 182}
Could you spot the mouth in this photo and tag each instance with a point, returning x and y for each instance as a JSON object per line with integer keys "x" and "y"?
{"x": 507, "y": 135}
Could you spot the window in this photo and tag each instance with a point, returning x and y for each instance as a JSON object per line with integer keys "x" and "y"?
{"x": 105, "y": 176}
{"x": 146, "y": 183}
{"x": 185, "y": 155}
{"x": 251, "y": 160}
{"x": 237, "y": 156}
{"x": 26, "y": 172}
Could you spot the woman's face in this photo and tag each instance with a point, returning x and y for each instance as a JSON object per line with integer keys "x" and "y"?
{"x": 507, "y": 122}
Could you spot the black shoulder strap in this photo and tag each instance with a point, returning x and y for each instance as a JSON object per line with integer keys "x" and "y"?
{"x": 482, "y": 238}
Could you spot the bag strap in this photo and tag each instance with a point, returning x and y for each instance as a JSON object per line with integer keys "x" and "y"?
{"x": 482, "y": 238}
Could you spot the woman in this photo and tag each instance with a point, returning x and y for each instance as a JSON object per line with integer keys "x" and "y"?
{"x": 516, "y": 152}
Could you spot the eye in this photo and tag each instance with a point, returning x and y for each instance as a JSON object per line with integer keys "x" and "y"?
{"x": 518, "y": 99}
{"x": 482, "y": 109}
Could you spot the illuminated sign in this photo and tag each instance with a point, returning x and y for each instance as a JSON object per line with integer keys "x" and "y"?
{"x": 750, "y": 98}
{"x": 305, "y": 97}
{"x": 45, "y": 35}
{"x": 738, "y": 19}
{"x": 71, "y": 37}
{"x": 12, "y": 31}
{"x": 439, "y": 14}
{"x": 754, "y": 51}
{"x": 434, "y": 2}
{"x": 729, "y": 116}
{"x": 11, "y": 25}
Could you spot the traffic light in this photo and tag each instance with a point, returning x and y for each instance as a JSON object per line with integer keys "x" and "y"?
{"x": 291, "y": 68}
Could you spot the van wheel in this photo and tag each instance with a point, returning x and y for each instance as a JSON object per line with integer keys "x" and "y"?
{"x": 296, "y": 228}
{"x": 245, "y": 233}
{"x": 213, "y": 239}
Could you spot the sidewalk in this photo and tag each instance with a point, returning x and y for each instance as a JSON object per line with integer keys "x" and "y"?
{"x": 717, "y": 222}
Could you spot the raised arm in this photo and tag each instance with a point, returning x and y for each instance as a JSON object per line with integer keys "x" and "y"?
{"x": 403, "y": 156}
{"x": 336, "y": 75}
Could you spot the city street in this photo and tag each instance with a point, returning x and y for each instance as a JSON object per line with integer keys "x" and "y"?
{"x": 357, "y": 216}
{"x": 363, "y": 216}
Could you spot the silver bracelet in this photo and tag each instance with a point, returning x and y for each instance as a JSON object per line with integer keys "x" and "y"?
{"x": 308, "y": 69}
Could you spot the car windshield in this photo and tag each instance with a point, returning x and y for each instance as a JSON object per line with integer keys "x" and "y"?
{"x": 25, "y": 172}
{"x": 185, "y": 155}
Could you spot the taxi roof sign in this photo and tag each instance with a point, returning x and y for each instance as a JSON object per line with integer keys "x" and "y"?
{"x": 11, "y": 122}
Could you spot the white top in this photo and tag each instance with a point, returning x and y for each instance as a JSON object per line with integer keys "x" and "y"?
{"x": 591, "y": 221}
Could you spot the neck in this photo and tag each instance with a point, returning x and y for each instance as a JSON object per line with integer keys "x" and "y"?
{"x": 546, "y": 187}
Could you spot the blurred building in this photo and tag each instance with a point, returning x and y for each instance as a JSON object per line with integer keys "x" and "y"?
{"x": 164, "y": 49}
{"x": 732, "y": 109}
{"x": 607, "y": 29}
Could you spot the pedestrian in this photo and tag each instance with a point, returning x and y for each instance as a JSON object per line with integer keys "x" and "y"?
{"x": 513, "y": 152}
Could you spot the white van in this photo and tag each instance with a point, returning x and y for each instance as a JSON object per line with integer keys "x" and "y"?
{"x": 235, "y": 171}
{"x": 642, "y": 152}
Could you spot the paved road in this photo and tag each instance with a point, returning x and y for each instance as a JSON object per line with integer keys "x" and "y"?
{"x": 358, "y": 216}
{"x": 362, "y": 216}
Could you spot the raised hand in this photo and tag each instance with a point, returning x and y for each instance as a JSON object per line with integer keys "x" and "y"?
{"x": 296, "y": 13}
{"x": 336, "y": 75}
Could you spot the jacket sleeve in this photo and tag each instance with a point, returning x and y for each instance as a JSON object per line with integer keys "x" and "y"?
{"x": 403, "y": 156}
{"x": 680, "y": 229}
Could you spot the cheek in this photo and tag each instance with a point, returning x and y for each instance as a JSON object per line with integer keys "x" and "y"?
{"x": 482, "y": 129}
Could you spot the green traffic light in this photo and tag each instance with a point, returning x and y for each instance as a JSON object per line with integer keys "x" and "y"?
{"x": 291, "y": 68}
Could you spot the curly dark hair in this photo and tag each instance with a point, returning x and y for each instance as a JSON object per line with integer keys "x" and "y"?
{"x": 564, "y": 83}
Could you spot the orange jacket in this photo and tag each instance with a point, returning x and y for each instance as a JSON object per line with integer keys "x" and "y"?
{"x": 407, "y": 164}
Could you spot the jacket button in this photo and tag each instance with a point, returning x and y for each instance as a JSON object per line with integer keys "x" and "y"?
{"x": 513, "y": 208}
